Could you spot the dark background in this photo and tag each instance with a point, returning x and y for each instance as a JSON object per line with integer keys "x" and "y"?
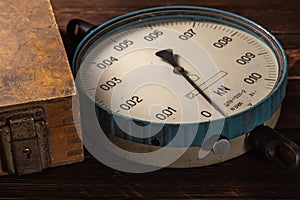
{"x": 250, "y": 176}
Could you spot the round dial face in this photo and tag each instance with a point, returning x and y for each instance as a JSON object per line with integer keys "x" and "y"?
{"x": 233, "y": 69}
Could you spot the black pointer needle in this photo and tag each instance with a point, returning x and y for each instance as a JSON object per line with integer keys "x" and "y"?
{"x": 168, "y": 56}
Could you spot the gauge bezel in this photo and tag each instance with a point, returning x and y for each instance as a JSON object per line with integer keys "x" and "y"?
{"x": 265, "y": 108}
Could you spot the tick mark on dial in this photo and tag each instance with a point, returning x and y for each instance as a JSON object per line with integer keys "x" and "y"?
{"x": 262, "y": 53}
{"x": 234, "y": 34}
{"x": 269, "y": 79}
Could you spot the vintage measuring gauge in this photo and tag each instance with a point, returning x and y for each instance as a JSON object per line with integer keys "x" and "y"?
{"x": 209, "y": 76}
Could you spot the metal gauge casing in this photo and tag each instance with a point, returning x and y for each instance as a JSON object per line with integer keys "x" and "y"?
{"x": 236, "y": 62}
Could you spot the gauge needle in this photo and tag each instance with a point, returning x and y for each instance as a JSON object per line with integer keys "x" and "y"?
{"x": 168, "y": 56}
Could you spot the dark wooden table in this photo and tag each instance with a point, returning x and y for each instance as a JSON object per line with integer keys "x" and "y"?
{"x": 250, "y": 176}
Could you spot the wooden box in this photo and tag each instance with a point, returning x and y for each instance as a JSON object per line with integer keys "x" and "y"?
{"x": 37, "y": 129}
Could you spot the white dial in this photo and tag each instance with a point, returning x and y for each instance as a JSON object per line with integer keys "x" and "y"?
{"x": 235, "y": 69}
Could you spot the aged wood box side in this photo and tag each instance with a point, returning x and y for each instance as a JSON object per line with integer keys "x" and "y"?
{"x": 34, "y": 72}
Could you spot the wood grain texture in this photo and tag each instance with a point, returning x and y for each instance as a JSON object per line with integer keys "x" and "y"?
{"x": 250, "y": 176}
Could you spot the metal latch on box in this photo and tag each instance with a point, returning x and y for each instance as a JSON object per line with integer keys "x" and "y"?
{"x": 23, "y": 141}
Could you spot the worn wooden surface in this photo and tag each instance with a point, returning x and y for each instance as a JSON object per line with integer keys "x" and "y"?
{"x": 31, "y": 66}
{"x": 247, "y": 177}
{"x": 34, "y": 71}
